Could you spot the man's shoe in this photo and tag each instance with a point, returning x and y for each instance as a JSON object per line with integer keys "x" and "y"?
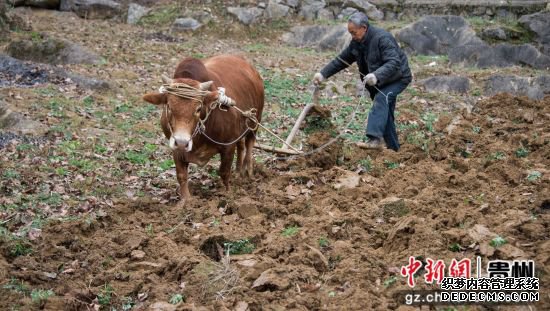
{"x": 373, "y": 143}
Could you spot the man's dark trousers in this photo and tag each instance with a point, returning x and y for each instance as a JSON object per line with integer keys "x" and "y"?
{"x": 381, "y": 122}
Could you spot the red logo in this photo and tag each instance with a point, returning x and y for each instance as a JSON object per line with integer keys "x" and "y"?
{"x": 462, "y": 268}
{"x": 435, "y": 270}
{"x": 409, "y": 270}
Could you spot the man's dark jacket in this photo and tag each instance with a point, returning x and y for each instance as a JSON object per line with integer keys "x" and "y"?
{"x": 377, "y": 53}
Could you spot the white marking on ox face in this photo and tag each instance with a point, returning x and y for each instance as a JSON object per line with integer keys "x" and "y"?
{"x": 181, "y": 140}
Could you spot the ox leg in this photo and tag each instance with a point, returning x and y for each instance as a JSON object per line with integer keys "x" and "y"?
{"x": 248, "y": 160}
{"x": 225, "y": 166}
{"x": 181, "y": 174}
{"x": 241, "y": 149}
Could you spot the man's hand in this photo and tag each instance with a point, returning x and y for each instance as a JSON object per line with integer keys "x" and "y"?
{"x": 370, "y": 79}
{"x": 318, "y": 78}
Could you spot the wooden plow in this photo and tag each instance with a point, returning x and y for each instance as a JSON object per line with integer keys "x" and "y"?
{"x": 286, "y": 147}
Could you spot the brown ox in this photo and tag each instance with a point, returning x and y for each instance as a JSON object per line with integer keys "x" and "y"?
{"x": 180, "y": 119}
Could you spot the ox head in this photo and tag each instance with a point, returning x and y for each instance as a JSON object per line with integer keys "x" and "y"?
{"x": 181, "y": 114}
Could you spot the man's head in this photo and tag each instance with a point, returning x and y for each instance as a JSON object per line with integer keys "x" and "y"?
{"x": 358, "y": 24}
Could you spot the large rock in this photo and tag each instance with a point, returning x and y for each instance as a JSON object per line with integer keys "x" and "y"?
{"x": 501, "y": 55}
{"x": 446, "y": 84}
{"x": 494, "y": 33}
{"x": 276, "y": 10}
{"x": 318, "y": 36}
{"x": 535, "y": 88}
{"x": 539, "y": 23}
{"x": 14, "y": 122}
{"x": 92, "y": 9}
{"x": 346, "y": 13}
{"x": 14, "y": 72}
{"x": 44, "y": 4}
{"x": 186, "y": 24}
{"x": 4, "y": 20}
{"x": 310, "y": 9}
{"x": 246, "y": 16}
{"x": 437, "y": 35}
{"x": 366, "y": 7}
{"x": 51, "y": 51}
{"x": 136, "y": 12}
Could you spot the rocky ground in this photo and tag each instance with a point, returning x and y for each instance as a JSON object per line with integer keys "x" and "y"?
{"x": 88, "y": 207}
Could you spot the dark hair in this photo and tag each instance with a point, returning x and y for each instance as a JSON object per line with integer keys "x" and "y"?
{"x": 359, "y": 19}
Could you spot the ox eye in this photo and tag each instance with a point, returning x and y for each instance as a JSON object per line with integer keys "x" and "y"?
{"x": 198, "y": 110}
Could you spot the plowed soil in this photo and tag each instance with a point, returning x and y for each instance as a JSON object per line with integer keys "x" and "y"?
{"x": 318, "y": 243}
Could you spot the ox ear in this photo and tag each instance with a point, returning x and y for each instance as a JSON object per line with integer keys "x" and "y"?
{"x": 155, "y": 98}
{"x": 205, "y": 86}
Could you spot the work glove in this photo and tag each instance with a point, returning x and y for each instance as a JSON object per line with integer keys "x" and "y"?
{"x": 370, "y": 79}
{"x": 318, "y": 78}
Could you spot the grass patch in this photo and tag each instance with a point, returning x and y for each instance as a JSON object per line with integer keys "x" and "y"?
{"x": 105, "y": 294}
{"x": 176, "y": 299}
{"x": 161, "y": 16}
{"x": 39, "y": 296}
{"x": 514, "y": 30}
{"x": 391, "y": 165}
{"x": 239, "y": 247}
{"x": 390, "y": 281}
{"x": 20, "y": 248}
{"x": 17, "y": 286}
{"x": 534, "y": 176}
{"x": 499, "y": 155}
{"x": 366, "y": 164}
{"x": 323, "y": 242}
{"x": 498, "y": 241}
{"x": 522, "y": 152}
{"x": 290, "y": 231}
{"x": 455, "y": 247}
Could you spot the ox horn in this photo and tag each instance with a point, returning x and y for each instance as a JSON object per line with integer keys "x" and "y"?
{"x": 205, "y": 86}
{"x": 166, "y": 80}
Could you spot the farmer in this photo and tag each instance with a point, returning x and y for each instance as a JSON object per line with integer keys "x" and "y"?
{"x": 383, "y": 67}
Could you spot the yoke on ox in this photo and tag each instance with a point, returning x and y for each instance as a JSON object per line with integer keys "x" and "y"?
{"x": 198, "y": 118}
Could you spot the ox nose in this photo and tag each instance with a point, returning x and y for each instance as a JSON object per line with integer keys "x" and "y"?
{"x": 182, "y": 142}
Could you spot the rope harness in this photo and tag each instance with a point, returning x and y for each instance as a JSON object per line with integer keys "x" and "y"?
{"x": 223, "y": 103}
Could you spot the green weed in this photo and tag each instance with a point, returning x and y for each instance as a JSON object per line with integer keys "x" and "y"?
{"x": 522, "y": 152}
{"x": 455, "y": 247}
{"x": 161, "y": 16}
{"x": 16, "y": 285}
{"x": 390, "y": 281}
{"x": 136, "y": 157}
{"x": 20, "y": 248}
{"x": 534, "y": 176}
{"x": 239, "y": 247}
{"x": 38, "y": 296}
{"x": 88, "y": 101}
{"x": 83, "y": 164}
{"x": 128, "y": 303}
{"x": 177, "y": 299}
{"x": 9, "y": 173}
{"x": 498, "y": 241}
{"x": 391, "y": 165}
{"x": 290, "y": 231}
{"x": 105, "y": 294}
{"x": 499, "y": 155}
{"x": 166, "y": 164}
{"x": 429, "y": 119}
{"x": 323, "y": 242}
{"x": 149, "y": 230}
{"x": 366, "y": 163}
